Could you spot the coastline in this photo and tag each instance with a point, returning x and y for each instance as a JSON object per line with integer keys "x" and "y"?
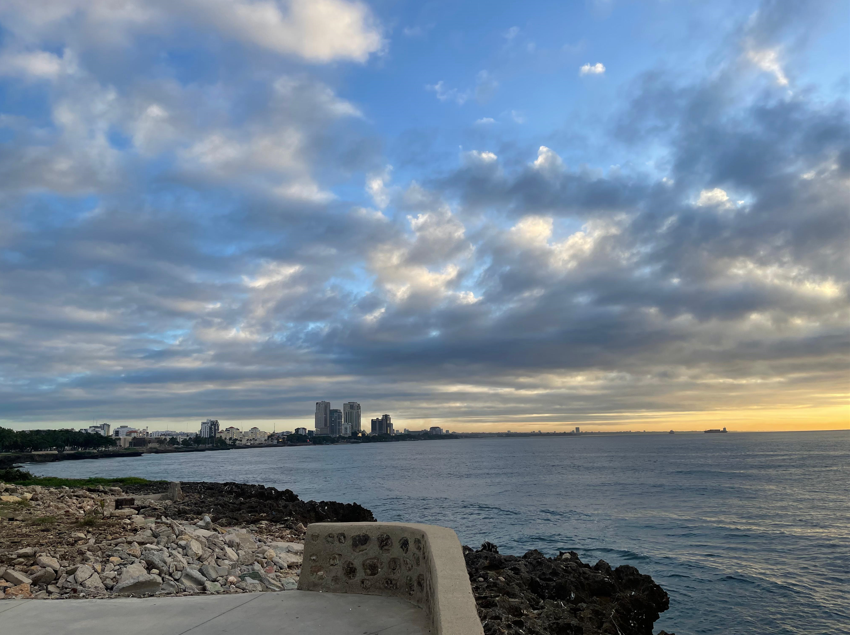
{"x": 235, "y": 538}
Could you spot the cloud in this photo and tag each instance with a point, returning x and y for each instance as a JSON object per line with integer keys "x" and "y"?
{"x": 485, "y": 87}
{"x": 448, "y": 94}
{"x": 485, "y": 121}
{"x": 376, "y": 186}
{"x": 236, "y": 244}
{"x": 317, "y": 31}
{"x": 768, "y": 61}
{"x": 713, "y": 198}
{"x": 35, "y": 64}
{"x": 592, "y": 69}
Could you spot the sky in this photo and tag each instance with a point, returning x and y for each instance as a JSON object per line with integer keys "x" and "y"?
{"x": 480, "y": 215}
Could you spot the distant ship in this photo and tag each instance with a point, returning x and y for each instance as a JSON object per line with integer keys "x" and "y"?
{"x": 715, "y": 431}
{"x": 671, "y": 432}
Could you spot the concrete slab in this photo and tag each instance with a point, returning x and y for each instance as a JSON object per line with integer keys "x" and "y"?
{"x": 285, "y": 613}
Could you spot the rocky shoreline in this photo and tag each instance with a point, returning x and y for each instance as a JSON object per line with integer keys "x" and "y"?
{"x": 103, "y": 542}
{"x": 149, "y": 538}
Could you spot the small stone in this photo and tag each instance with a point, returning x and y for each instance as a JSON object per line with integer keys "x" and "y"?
{"x": 93, "y": 584}
{"x": 169, "y": 587}
{"x": 290, "y": 584}
{"x": 194, "y": 549}
{"x": 212, "y": 587}
{"x": 10, "y": 499}
{"x": 193, "y": 579}
{"x": 26, "y": 552}
{"x": 43, "y": 576}
{"x": 175, "y": 492}
{"x": 22, "y": 591}
{"x": 84, "y": 572}
{"x": 47, "y": 562}
{"x": 16, "y": 577}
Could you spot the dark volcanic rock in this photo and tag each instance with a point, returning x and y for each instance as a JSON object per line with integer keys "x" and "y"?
{"x": 230, "y": 504}
{"x": 536, "y": 595}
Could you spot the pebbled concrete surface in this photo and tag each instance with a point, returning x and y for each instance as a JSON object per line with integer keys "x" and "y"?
{"x": 285, "y": 613}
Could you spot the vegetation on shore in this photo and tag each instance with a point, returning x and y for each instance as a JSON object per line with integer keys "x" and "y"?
{"x": 60, "y": 440}
{"x": 22, "y": 477}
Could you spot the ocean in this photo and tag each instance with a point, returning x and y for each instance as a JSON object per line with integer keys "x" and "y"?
{"x": 747, "y": 533}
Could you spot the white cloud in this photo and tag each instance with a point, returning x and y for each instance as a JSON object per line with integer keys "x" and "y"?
{"x": 713, "y": 198}
{"x": 484, "y": 121}
{"x": 304, "y": 189}
{"x": 511, "y": 33}
{"x": 475, "y": 157}
{"x": 517, "y": 116}
{"x": 768, "y": 61}
{"x": 315, "y": 30}
{"x": 448, "y": 94}
{"x": 548, "y": 161}
{"x": 592, "y": 69}
{"x": 376, "y": 186}
{"x": 35, "y": 64}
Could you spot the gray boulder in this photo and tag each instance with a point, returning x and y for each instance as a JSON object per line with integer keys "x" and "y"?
{"x": 143, "y": 585}
{"x": 47, "y": 562}
{"x": 44, "y": 576}
{"x": 93, "y": 584}
{"x": 16, "y": 577}
{"x": 193, "y": 579}
{"x": 83, "y": 573}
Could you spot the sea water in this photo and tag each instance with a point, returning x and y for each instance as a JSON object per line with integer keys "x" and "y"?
{"x": 748, "y": 533}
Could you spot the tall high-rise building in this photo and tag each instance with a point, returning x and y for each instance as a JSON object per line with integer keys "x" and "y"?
{"x": 382, "y": 425}
{"x": 335, "y": 427}
{"x": 323, "y": 417}
{"x": 209, "y": 429}
{"x": 351, "y": 415}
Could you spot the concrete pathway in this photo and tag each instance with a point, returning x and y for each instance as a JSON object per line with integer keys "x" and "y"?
{"x": 285, "y": 613}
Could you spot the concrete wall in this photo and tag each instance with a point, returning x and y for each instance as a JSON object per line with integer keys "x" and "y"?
{"x": 420, "y": 563}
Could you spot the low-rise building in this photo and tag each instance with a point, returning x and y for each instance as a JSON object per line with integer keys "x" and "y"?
{"x": 102, "y": 428}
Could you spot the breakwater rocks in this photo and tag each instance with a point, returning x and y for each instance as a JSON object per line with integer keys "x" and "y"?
{"x": 536, "y": 595}
{"x": 62, "y": 543}
{"x": 230, "y": 504}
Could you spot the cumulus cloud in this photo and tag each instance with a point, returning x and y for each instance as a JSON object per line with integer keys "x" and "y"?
{"x": 592, "y": 69}
{"x": 315, "y": 30}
